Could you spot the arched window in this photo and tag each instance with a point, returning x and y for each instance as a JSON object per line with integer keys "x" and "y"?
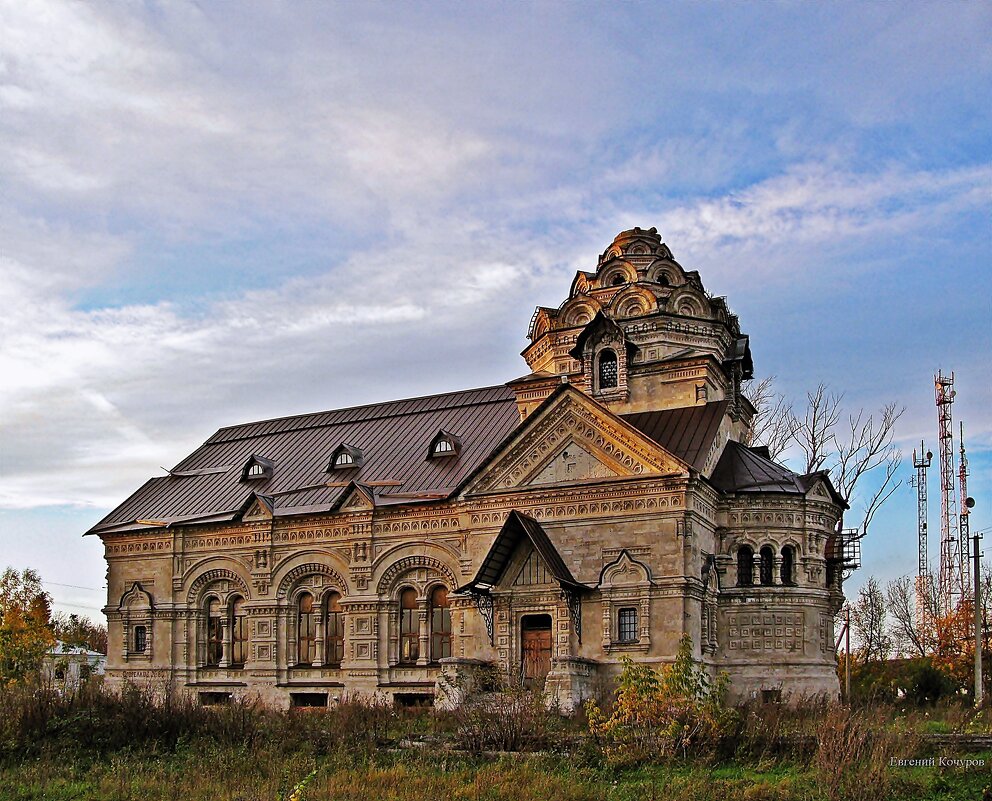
{"x": 440, "y": 624}
{"x": 409, "y": 627}
{"x": 306, "y": 645}
{"x": 344, "y": 459}
{"x": 767, "y": 564}
{"x": 788, "y": 565}
{"x": 256, "y": 471}
{"x": 745, "y": 566}
{"x": 443, "y": 446}
{"x": 333, "y": 630}
{"x": 607, "y": 369}
{"x": 215, "y": 633}
{"x": 239, "y": 633}
{"x": 619, "y": 279}
{"x": 140, "y": 639}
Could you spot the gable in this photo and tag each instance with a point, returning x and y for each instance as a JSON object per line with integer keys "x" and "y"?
{"x": 357, "y": 499}
{"x": 599, "y": 446}
{"x": 259, "y": 507}
{"x": 532, "y": 572}
{"x": 572, "y": 462}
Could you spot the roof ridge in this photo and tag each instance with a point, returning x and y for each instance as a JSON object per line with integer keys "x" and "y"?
{"x": 215, "y": 438}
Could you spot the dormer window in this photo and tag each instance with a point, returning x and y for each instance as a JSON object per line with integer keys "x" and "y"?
{"x": 257, "y": 468}
{"x": 345, "y": 457}
{"x": 444, "y": 444}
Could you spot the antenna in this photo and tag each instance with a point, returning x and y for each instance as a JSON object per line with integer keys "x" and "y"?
{"x": 924, "y": 579}
{"x": 952, "y": 586}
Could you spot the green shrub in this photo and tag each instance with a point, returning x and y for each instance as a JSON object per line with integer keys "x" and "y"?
{"x": 656, "y": 715}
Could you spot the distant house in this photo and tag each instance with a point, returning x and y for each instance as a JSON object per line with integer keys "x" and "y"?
{"x": 69, "y": 665}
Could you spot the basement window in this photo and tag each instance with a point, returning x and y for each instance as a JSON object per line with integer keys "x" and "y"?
{"x": 307, "y": 700}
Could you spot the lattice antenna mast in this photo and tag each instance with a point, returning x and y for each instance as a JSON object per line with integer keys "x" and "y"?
{"x": 963, "y": 524}
{"x": 923, "y": 577}
{"x": 950, "y": 582}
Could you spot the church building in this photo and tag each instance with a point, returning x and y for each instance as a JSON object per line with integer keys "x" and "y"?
{"x": 600, "y": 506}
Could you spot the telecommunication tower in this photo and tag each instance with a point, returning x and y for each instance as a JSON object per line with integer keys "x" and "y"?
{"x": 952, "y": 586}
{"x": 923, "y": 578}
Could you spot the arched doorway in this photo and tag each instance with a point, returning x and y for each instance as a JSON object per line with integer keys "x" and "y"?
{"x": 535, "y": 638}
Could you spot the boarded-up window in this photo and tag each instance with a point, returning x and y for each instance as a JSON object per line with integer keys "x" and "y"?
{"x": 215, "y": 633}
{"x": 239, "y": 633}
{"x": 440, "y": 624}
{"x": 306, "y": 644}
{"x": 409, "y": 627}
{"x": 334, "y": 630}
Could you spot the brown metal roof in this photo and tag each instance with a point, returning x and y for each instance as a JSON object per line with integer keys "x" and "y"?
{"x": 687, "y": 433}
{"x": 393, "y": 438}
{"x": 742, "y": 469}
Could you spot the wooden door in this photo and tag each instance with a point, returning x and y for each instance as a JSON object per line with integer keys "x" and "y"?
{"x": 536, "y": 647}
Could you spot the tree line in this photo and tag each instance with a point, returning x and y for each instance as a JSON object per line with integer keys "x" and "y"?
{"x": 28, "y": 628}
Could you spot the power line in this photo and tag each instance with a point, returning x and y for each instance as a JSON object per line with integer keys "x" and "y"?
{"x": 74, "y": 586}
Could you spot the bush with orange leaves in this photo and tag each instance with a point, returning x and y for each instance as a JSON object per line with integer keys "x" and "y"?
{"x": 658, "y": 715}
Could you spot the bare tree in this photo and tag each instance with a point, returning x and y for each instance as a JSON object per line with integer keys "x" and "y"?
{"x": 866, "y": 447}
{"x": 913, "y": 613}
{"x": 868, "y": 623}
{"x": 815, "y": 432}
{"x": 848, "y": 452}
{"x": 771, "y": 425}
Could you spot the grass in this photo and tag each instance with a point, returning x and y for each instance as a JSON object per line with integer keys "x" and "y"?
{"x": 131, "y": 746}
{"x": 242, "y": 774}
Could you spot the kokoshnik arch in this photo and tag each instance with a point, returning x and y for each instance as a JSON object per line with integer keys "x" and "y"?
{"x": 599, "y": 506}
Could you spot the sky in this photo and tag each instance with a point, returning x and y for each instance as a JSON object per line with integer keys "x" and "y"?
{"x": 212, "y": 213}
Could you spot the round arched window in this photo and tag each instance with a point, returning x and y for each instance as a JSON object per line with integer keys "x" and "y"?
{"x": 607, "y": 369}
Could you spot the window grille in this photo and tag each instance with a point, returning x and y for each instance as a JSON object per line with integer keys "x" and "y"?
{"x": 767, "y": 564}
{"x": 344, "y": 458}
{"x": 745, "y": 566}
{"x": 607, "y": 370}
{"x": 256, "y": 471}
{"x": 627, "y": 625}
{"x": 443, "y": 446}
{"x": 140, "y": 639}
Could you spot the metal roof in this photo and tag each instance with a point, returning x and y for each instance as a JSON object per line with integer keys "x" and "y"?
{"x": 517, "y": 528}
{"x": 207, "y": 485}
{"x": 687, "y": 433}
{"x": 743, "y": 469}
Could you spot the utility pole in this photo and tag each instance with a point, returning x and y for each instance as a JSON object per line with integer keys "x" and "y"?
{"x": 923, "y": 577}
{"x": 847, "y": 655}
{"x": 978, "y": 614}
